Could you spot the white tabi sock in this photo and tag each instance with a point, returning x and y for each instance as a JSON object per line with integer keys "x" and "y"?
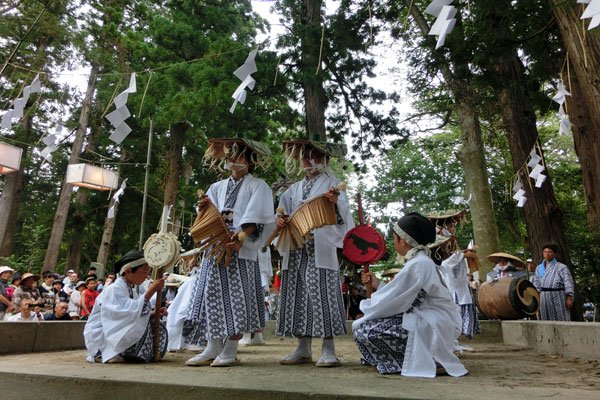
{"x": 246, "y": 339}
{"x": 213, "y": 348}
{"x": 328, "y": 350}
{"x": 229, "y": 351}
{"x": 304, "y": 347}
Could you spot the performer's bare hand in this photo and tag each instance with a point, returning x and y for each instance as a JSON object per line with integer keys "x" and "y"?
{"x": 203, "y": 202}
{"x": 281, "y": 221}
{"x": 367, "y": 277}
{"x": 156, "y": 285}
{"x": 332, "y": 195}
{"x": 234, "y": 244}
{"x": 569, "y": 302}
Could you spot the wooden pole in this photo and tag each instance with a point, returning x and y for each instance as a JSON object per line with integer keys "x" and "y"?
{"x": 145, "y": 199}
{"x": 156, "y": 320}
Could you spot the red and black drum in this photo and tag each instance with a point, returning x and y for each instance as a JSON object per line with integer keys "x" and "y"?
{"x": 508, "y": 298}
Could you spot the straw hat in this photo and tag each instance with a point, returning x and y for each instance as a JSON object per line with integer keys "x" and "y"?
{"x": 219, "y": 149}
{"x": 443, "y": 218}
{"x": 295, "y": 150}
{"x": 495, "y": 257}
{"x": 172, "y": 282}
{"x": 29, "y": 275}
{"x": 390, "y": 272}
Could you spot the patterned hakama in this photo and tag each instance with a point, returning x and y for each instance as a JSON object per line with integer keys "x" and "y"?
{"x": 311, "y": 298}
{"x": 470, "y": 320}
{"x": 143, "y": 350}
{"x": 382, "y": 341}
{"x": 226, "y": 301}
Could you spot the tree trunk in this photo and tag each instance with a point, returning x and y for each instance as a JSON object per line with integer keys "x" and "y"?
{"x": 471, "y": 154}
{"x": 10, "y": 200}
{"x": 583, "y": 107}
{"x": 62, "y": 209}
{"x": 175, "y": 157}
{"x": 315, "y": 98}
{"x": 542, "y": 212}
{"x": 75, "y": 250}
{"x": 107, "y": 234}
{"x": 472, "y": 158}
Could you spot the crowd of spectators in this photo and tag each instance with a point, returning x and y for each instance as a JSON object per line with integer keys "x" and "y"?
{"x": 49, "y": 297}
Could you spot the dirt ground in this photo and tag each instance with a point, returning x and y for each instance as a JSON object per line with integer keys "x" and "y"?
{"x": 496, "y": 371}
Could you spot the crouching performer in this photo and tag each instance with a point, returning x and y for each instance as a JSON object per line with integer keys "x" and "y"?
{"x": 410, "y": 324}
{"x": 119, "y": 328}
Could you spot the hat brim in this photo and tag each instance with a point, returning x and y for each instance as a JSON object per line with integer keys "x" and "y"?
{"x": 495, "y": 257}
{"x": 390, "y": 272}
{"x": 298, "y": 147}
{"x": 219, "y": 145}
{"x": 443, "y": 218}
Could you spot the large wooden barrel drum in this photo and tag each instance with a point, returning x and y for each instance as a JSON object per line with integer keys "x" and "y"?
{"x": 508, "y": 298}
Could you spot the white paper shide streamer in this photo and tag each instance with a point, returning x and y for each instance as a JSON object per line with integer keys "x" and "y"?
{"x": 244, "y": 73}
{"x": 121, "y": 113}
{"x": 560, "y": 98}
{"x": 519, "y": 193}
{"x": 537, "y": 169}
{"x": 51, "y": 142}
{"x": 591, "y": 11}
{"x": 445, "y": 21}
{"x": 20, "y": 103}
{"x": 118, "y": 193}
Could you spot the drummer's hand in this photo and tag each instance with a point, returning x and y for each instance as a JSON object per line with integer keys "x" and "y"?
{"x": 569, "y": 302}
{"x": 332, "y": 195}
{"x": 203, "y": 202}
{"x": 234, "y": 244}
{"x": 281, "y": 221}
{"x": 367, "y": 277}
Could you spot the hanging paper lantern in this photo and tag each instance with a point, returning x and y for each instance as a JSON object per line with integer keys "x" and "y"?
{"x": 10, "y": 158}
{"x": 92, "y": 177}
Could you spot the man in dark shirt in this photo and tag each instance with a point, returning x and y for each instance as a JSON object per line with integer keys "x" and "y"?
{"x": 60, "y": 313}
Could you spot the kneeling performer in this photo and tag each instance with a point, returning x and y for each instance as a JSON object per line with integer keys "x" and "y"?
{"x": 119, "y": 328}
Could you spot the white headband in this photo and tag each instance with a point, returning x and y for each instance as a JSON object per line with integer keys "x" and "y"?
{"x": 132, "y": 264}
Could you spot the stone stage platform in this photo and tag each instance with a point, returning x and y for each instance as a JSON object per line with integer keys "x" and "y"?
{"x": 496, "y": 371}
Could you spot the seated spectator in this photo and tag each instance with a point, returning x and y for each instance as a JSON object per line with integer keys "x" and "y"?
{"x": 6, "y": 306}
{"x": 88, "y": 297}
{"x": 75, "y": 301}
{"x": 410, "y": 325}
{"x": 27, "y": 290}
{"x": 46, "y": 286}
{"x": 71, "y": 282}
{"x": 25, "y": 313}
{"x": 60, "y": 312}
{"x": 67, "y": 277}
{"x": 59, "y": 293}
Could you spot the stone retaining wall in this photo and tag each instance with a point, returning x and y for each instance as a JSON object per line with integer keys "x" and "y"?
{"x": 568, "y": 339}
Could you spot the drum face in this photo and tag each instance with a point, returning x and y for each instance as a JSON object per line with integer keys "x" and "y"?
{"x": 508, "y": 298}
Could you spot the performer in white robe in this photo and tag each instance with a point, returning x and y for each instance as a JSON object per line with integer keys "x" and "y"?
{"x": 311, "y": 297}
{"x": 454, "y": 271}
{"x": 409, "y": 325}
{"x": 221, "y": 302}
{"x": 119, "y": 327}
